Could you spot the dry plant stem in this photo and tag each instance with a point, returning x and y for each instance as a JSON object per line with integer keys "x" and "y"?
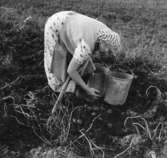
{"x": 11, "y": 83}
{"x": 24, "y": 113}
{"x": 156, "y": 129}
{"x": 147, "y": 128}
{"x": 28, "y": 116}
{"x": 5, "y": 110}
{"x": 12, "y": 116}
{"x": 18, "y": 121}
{"x": 99, "y": 148}
{"x": 14, "y": 82}
{"x": 8, "y": 97}
{"x": 127, "y": 118}
{"x": 60, "y": 95}
{"x": 88, "y": 129}
{"x": 135, "y": 123}
{"x": 25, "y": 22}
{"x": 91, "y": 144}
{"x": 137, "y": 129}
{"x": 118, "y": 155}
{"x": 69, "y": 123}
{"x": 160, "y": 133}
{"x": 64, "y": 129}
{"x": 41, "y": 138}
{"x": 27, "y": 106}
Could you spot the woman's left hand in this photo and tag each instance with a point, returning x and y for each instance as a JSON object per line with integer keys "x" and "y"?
{"x": 93, "y": 92}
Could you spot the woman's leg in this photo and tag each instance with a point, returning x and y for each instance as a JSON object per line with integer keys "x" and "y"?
{"x": 54, "y": 54}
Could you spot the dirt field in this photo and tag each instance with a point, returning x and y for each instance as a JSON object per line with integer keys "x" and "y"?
{"x": 136, "y": 129}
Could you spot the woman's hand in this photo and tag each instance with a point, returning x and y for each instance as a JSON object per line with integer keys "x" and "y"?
{"x": 93, "y": 92}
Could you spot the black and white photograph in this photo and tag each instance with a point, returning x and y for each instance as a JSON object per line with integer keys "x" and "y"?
{"x": 83, "y": 78}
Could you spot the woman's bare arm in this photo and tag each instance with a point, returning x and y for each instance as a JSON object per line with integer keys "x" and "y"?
{"x": 74, "y": 74}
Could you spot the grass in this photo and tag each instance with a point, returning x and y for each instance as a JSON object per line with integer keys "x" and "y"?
{"x": 144, "y": 34}
{"x": 144, "y": 38}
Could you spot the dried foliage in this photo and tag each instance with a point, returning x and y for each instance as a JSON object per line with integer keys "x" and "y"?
{"x": 94, "y": 129}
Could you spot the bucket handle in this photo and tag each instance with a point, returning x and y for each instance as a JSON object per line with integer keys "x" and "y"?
{"x": 131, "y": 73}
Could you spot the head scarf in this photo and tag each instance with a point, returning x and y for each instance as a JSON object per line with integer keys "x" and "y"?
{"x": 112, "y": 38}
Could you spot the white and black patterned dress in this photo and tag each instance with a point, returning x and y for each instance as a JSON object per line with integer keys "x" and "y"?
{"x": 74, "y": 33}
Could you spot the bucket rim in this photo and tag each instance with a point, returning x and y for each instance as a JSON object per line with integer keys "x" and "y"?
{"x": 127, "y": 75}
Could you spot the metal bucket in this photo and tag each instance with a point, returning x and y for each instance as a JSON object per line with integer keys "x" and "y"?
{"x": 117, "y": 87}
{"x": 97, "y": 81}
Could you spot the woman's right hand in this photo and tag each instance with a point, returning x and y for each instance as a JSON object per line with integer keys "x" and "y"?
{"x": 93, "y": 92}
